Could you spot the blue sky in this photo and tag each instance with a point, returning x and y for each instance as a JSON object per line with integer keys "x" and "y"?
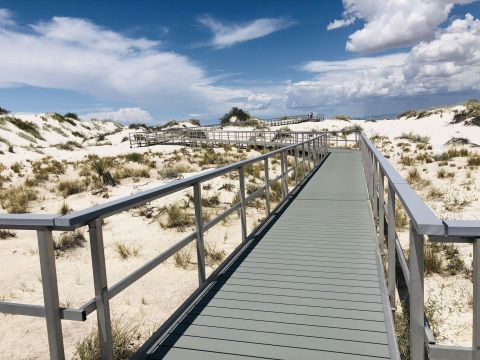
{"x": 157, "y": 61}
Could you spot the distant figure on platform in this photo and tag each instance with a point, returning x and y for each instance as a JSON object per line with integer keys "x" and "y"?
{"x": 310, "y": 116}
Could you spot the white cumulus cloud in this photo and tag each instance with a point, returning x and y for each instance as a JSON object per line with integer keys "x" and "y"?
{"x": 123, "y": 115}
{"x": 449, "y": 63}
{"x": 225, "y": 35}
{"x": 76, "y": 54}
{"x": 393, "y": 23}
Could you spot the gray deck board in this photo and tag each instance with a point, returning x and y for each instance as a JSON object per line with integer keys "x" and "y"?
{"x": 309, "y": 289}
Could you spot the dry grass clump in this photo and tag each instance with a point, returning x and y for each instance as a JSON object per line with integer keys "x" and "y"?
{"x": 227, "y": 187}
{"x": 210, "y": 157}
{"x": 415, "y": 138}
{"x": 424, "y": 157}
{"x": 26, "y": 126}
{"x": 183, "y": 258}
{"x": 126, "y": 341}
{"x": 435, "y": 194}
{"x": 342, "y": 117}
{"x": 251, "y": 188}
{"x": 15, "y": 200}
{"x": 451, "y": 153}
{"x": 473, "y": 160}
{"x": 134, "y": 157}
{"x": 351, "y": 129}
{"x": 211, "y": 201}
{"x": 179, "y": 218}
{"x": 174, "y": 171}
{"x": 69, "y": 240}
{"x": 406, "y": 160}
{"x": 443, "y": 174}
{"x": 455, "y": 205}
{"x": 127, "y": 172}
{"x": 71, "y": 187}
{"x": 47, "y": 166}
{"x": 443, "y": 259}
{"x": 64, "y": 209}
{"x": 276, "y": 191}
{"x": 69, "y": 146}
{"x": 6, "y": 234}
{"x": 402, "y": 330}
{"x": 126, "y": 251}
{"x": 254, "y": 170}
{"x": 415, "y": 179}
{"x": 16, "y": 167}
{"x": 401, "y": 218}
{"x": 433, "y": 259}
{"x": 213, "y": 255}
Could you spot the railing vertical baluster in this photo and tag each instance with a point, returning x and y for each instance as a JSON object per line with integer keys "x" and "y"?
{"x": 309, "y": 155}
{"x": 243, "y": 210}
{"x": 375, "y": 189}
{"x": 197, "y": 203}
{"x": 267, "y": 186}
{"x": 303, "y": 161}
{"x": 476, "y": 300}
{"x": 370, "y": 175}
{"x": 282, "y": 175}
{"x": 381, "y": 208}
{"x": 295, "y": 171}
{"x": 50, "y": 294}
{"x": 391, "y": 281}
{"x": 101, "y": 289}
{"x": 417, "y": 330}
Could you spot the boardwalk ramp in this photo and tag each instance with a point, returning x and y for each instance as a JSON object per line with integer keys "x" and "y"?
{"x": 311, "y": 287}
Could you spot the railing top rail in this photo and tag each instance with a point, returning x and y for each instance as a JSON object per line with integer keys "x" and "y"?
{"x": 82, "y": 217}
{"x": 27, "y": 221}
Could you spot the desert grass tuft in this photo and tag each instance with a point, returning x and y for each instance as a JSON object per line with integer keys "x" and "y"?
{"x": 126, "y": 251}
{"x": 16, "y": 199}
{"x": 6, "y": 234}
{"x": 126, "y": 340}
{"x": 178, "y": 218}
{"x": 183, "y": 258}
{"x": 213, "y": 255}
{"x": 69, "y": 240}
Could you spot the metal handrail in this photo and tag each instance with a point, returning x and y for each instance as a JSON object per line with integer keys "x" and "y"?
{"x": 257, "y": 138}
{"x": 307, "y": 154}
{"x": 423, "y": 224}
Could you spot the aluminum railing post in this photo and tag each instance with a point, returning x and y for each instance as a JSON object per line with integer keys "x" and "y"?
{"x": 267, "y": 185}
{"x": 197, "y": 202}
{"x": 375, "y": 190}
{"x": 282, "y": 175}
{"x": 417, "y": 330}
{"x": 381, "y": 208}
{"x": 50, "y": 294}
{"x": 303, "y": 161}
{"x": 391, "y": 281}
{"x": 101, "y": 289}
{"x": 243, "y": 212}
{"x": 476, "y": 300}
{"x": 295, "y": 171}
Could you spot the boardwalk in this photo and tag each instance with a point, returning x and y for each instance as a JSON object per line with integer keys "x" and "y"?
{"x": 310, "y": 288}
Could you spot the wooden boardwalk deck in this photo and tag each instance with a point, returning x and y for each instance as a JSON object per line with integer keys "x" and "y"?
{"x": 310, "y": 288}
